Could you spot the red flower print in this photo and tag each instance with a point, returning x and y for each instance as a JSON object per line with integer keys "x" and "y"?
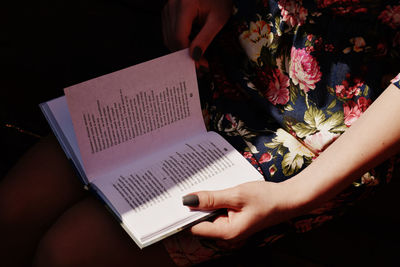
{"x": 352, "y": 110}
{"x": 391, "y": 16}
{"x": 265, "y": 158}
{"x": 363, "y": 103}
{"x": 342, "y": 7}
{"x": 292, "y": 12}
{"x": 278, "y": 92}
{"x": 272, "y": 170}
{"x": 247, "y": 155}
{"x": 345, "y": 91}
{"x": 250, "y": 156}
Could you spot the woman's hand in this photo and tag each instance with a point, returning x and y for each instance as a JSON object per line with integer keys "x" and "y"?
{"x": 251, "y": 207}
{"x": 257, "y": 205}
{"x": 179, "y": 16}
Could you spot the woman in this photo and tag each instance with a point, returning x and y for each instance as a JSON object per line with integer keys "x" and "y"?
{"x": 288, "y": 83}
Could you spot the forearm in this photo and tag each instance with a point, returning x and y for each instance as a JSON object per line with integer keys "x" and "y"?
{"x": 374, "y": 137}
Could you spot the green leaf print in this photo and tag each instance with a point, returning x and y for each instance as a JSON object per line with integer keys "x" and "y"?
{"x": 314, "y": 117}
{"x": 332, "y": 104}
{"x": 281, "y": 150}
{"x": 366, "y": 90}
{"x": 333, "y": 121}
{"x": 340, "y": 129}
{"x": 272, "y": 145}
{"x": 302, "y": 130}
{"x": 288, "y": 107}
{"x": 293, "y": 93}
{"x": 291, "y": 163}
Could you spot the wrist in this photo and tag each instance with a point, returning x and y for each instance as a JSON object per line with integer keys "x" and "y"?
{"x": 283, "y": 201}
{"x": 300, "y": 196}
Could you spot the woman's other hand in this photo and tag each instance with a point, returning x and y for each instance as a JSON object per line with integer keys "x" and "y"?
{"x": 179, "y": 17}
{"x": 251, "y": 207}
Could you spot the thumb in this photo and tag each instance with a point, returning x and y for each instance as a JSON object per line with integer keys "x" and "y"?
{"x": 205, "y": 36}
{"x": 211, "y": 200}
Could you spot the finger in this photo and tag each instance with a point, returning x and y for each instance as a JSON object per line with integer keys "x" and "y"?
{"x": 168, "y": 23}
{"x": 186, "y": 14}
{"x": 202, "y": 65}
{"x": 164, "y": 25}
{"x": 217, "y": 229}
{"x": 212, "y": 200}
{"x": 210, "y": 29}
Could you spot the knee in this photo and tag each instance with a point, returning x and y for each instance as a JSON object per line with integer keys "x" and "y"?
{"x": 56, "y": 250}
{"x": 12, "y": 212}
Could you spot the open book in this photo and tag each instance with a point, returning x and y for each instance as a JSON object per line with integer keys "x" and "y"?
{"x": 137, "y": 138}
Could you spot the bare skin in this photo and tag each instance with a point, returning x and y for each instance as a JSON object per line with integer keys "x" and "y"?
{"x": 33, "y": 194}
{"x": 179, "y": 17}
{"x": 363, "y": 146}
{"x": 250, "y": 208}
{"x": 46, "y": 218}
{"x": 45, "y": 215}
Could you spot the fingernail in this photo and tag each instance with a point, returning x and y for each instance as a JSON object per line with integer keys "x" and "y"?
{"x": 190, "y": 200}
{"x": 203, "y": 69}
{"x": 197, "y": 52}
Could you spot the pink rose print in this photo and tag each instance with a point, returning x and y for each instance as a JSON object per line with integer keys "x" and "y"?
{"x": 278, "y": 92}
{"x": 292, "y": 12}
{"x": 351, "y": 113}
{"x": 265, "y": 158}
{"x": 391, "y": 16}
{"x": 352, "y": 110}
{"x": 320, "y": 140}
{"x": 304, "y": 69}
{"x": 345, "y": 91}
{"x": 363, "y": 103}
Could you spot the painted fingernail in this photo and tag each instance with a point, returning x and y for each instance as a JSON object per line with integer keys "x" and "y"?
{"x": 190, "y": 200}
{"x": 203, "y": 69}
{"x": 197, "y": 52}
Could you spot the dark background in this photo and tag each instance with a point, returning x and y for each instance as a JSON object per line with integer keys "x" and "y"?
{"x": 48, "y": 45}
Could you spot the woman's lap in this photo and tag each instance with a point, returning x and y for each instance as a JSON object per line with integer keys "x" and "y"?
{"x": 42, "y": 202}
{"x": 32, "y": 195}
{"x": 87, "y": 235}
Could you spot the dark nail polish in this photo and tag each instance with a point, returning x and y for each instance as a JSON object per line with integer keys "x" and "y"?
{"x": 190, "y": 200}
{"x": 197, "y": 52}
{"x": 203, "y": 69}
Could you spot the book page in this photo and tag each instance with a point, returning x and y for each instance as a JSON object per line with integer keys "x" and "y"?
{"x": 148, "y": 197}
{"x": 127, "y": 114}
{"x": 56, "y": 113}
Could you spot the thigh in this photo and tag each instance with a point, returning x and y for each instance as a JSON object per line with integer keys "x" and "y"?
{"x": 39, "y": 187}
{"x": 88, "y": 235}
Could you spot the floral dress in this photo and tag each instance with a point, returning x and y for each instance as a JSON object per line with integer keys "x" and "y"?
{"x": 286, "y": 79}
